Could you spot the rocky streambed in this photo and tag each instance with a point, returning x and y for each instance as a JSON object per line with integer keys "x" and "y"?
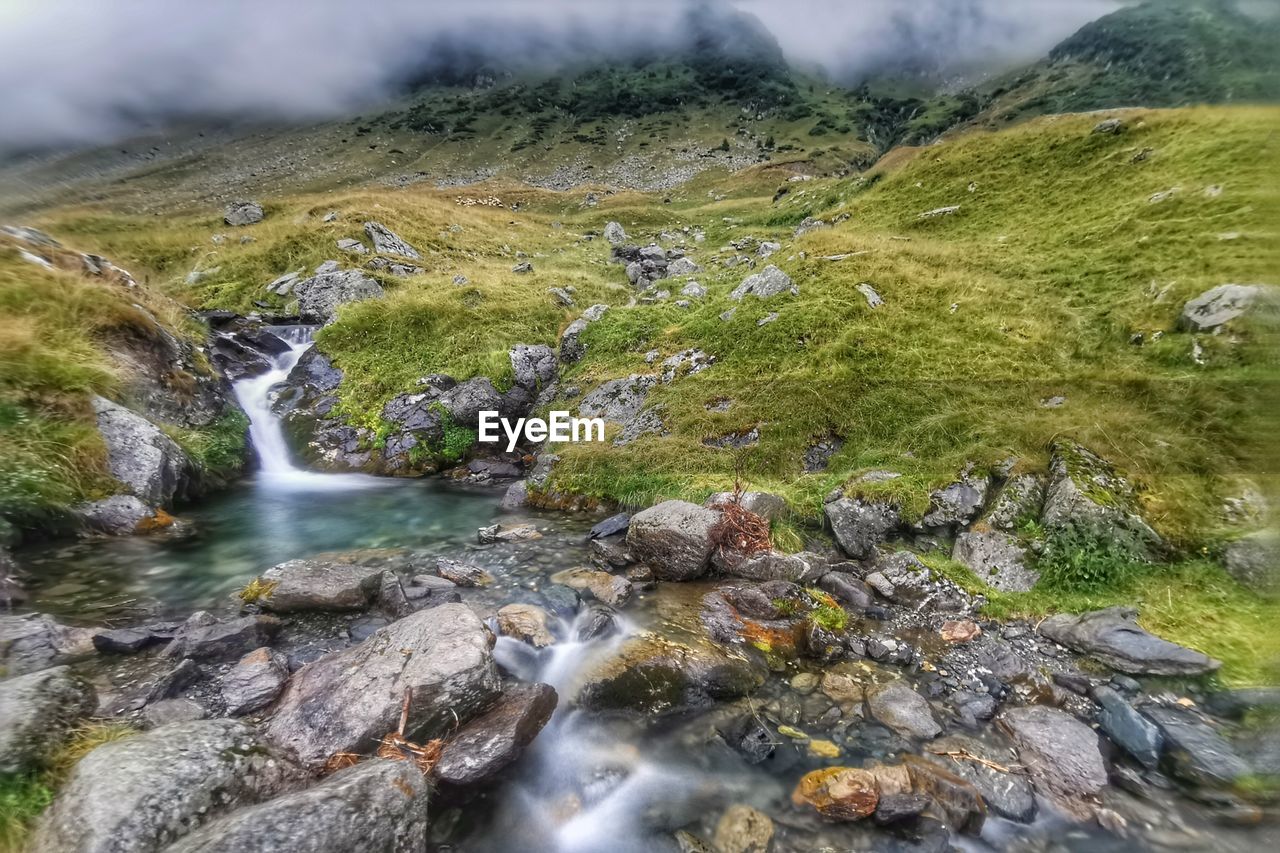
{"x": 560, "y": 696}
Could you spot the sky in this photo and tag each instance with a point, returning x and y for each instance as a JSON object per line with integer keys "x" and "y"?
{"x": 79, "y": 72}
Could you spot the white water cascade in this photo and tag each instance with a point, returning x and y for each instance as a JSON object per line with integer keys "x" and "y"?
{"x": 266, "y": 432}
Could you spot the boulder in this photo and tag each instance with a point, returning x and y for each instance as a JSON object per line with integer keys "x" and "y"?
{"x": 1059, "y": 751}
{"x": 375, "y": 805}
{"x": 847, "y": 589}
{"x": 35, "y": 641}
{"x": 202, "y": 637}
{"x": 767, "y": 506}
{"x": 254, "y": 682}
{"x": 902, "y": 709}
{"x": 1219, "y": 306}
{"x": 682, "y": 266}
{"x": 654, "y": 675}
{"x": 527, "y": 623}
{"x": 243, "y": 213}
{"x": 1114, "y": 637}
{"x": 37, "y": 710}
{"x": 1194, "y": 749}
{"x": 347, "y": 701}
{"x": 492, "y": 742}
{"x": 1021, "y": 500}
{"x": 387, "y": 242}
{"x": 319, "y": 585}
{"x": 320, "y": 296}
{"x": 123, "y": 641}
{"x": 615, "y": 234}
{"x": 139, "y": 455}
{"x": 997, "y": 558}
{"x": 1127, "y": 728}
{"x": 141, "y": 793}
{"x": 674, "y": 538}
{"x": 535, "y": 367}
{"x": 1086, "y": 495}
{"x": 467, "y": 400}
{"x": 571, "y": 347}
{"x": 765, "y": 284}
{"x": 838, "y": 793}
{"x": 119, "y": 515}
{"x": 861, "y": 526}
{"x": 956, "y": 505}
{"x": 169, "y": 711}
{"x": 1254, "y": 561}
{"x": 1008, "y": 794}
{"x": 772, "y": 566}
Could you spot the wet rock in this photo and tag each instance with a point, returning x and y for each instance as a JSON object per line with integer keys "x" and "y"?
{"x": 897, "y": 808}
{"x": 320, "y": 585}
{"x": 612, "y": 553}
{"x": 1060, "y": 752}
{"x": 571, "y": 347}
{"x": 861, "y": 526}
{"x": 599, "y": 621}
{"x": 348, "y": 700}
{"x": 1219, "y": 306}
{"x": 462, "y": 574}
{"x": 139, "y": 455}
{"x": 35, "y": 641}
{"x": 996, "y": 558}
{"x": 952, "y": 798}
{"x": 1005, "y": 792}
{"x": 1254, "y": 561}
{"x": 674, "y": 537}
{"x": 1114, "y": 637}
{"x": 37, "y": 711}
{"x": 166, "y": 712}
{"x": 145, "y": 791}
{"x": 1127, "y": 728}
{"x": 611, "y": 526}
{"x": 320, "y": 296}
{"x": 254, "y": 682}
{"x": 1195, "y": 751}
{"x": 376, "y": 805}
{"x": 527, "y": 623}
{"x": 902, "y": 709}
{"x": 772, "y": 566}
{"x": 959, "y": 630}
{"x": 561, "y": 600}
{"x": 204, "y": 638}
{"x": 654, "y": 675}
{"x": 175, "y": 680}
{"x": 119, "y": 515}
{"x": 838, "y": 793}
{"x": 848, "y": 590}
{"x": 1087, "y": 496}
{"x": 750, "y": 738}
{"x": 243, "y": 213}
{"x": 489, "y": 744}
{"x": 123, "y": 641}
{"x": 765, "y": 284}
{"x": 608, "y": 589}
{"x": 742, "y": 829}
{"x": 387, "y": 242}
{"x": 515, "y": 533}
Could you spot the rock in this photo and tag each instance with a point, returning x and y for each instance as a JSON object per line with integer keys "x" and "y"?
{"x": 1254, "y": 561}
{"x": 940, "y": 211}
{"x": 1195, "y": 751}
{"x": 612, "y": 590}
{"x": 535, "y": 367}
{"x": 348, "y": 700}
{"x": 742, "y": 829}
{"x": 462, "y": 574}
{"x": 516, "y": 496}
{"x": 467, "y": 400}
{"x": 874, "y": 300}
{"x": 175, "y": 680}
{"x": 1059, "y": 751}
{"x": 139, "y": 455}
{"x": 772, "y": 566}
{"x": 847, "y": 589}
{"x": 143, "y": 792}
{"x": 571, "y": 347}
{"x": 35, "y": 641}
{"x": 1008, "y": 794}
{"x": 765, "y": 249}
{"x": 693, "y": 290}
{"x": 838, "y": 793}
{"x": 1127, "y": 728}
{"x": 860, "y": 526}
{"x": 767, "y": 506}
{"x": 37, "y": 711}
{"x": 562, "y": 297}
{"x": 808, "y": 225}
{"x": 375, "y": 805}
{"x": 123, "y": 641}
{"x": 957, "y": 504}
{"x": 243, "y": 213}
{"x": 522, "y": 268}
{"x": 527, "y": 623}
{"x": 902, "y": 709}
{"x": 654, "y": 675}
{"x": 1219, "y": 306}
{"x": 118, "y": 515}
{"x": 896, "y": 808}
{"x": 203, "y": 638}
{"x": 387, "y": 242}
{"x": 998, "y": 559}
{"x": 1087, "y": 496}
{"x": 611, "y": 526}
{"x": 320, "y": 296}
{"x": 765, "y": 284}
{"x": 1112, "y": 127}
{"x": 166, "y": 712}
{"x": 515, "y": 533}
{"x": 959, "y": 631}
{"x": 489, "y": 744}
{"x": 614, "y": 233}
{"x": 319, "y": 585}
{"x": 674, "y": 537}
{"x": 1021, "y": 500}
{"x": 254, "y": 682}
{"x": 352, "y": 247}
{"x": 682, "y": 266}
{"x": 1114, "y": 637}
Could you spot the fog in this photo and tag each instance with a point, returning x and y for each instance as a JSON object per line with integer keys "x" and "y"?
{"x": 89, "y": 71}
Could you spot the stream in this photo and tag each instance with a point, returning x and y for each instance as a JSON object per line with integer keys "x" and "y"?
{"x": 590, "y": 781}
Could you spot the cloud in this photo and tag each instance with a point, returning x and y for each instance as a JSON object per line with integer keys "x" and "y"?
{"x": 84, "y": 71}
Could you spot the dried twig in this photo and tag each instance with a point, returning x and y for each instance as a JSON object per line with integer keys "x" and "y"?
{"x": 960, "y": 754}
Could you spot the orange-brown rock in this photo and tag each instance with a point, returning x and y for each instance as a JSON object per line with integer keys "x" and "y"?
{"x": 959, "y": 630}
{"x": 838, "y": 793}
